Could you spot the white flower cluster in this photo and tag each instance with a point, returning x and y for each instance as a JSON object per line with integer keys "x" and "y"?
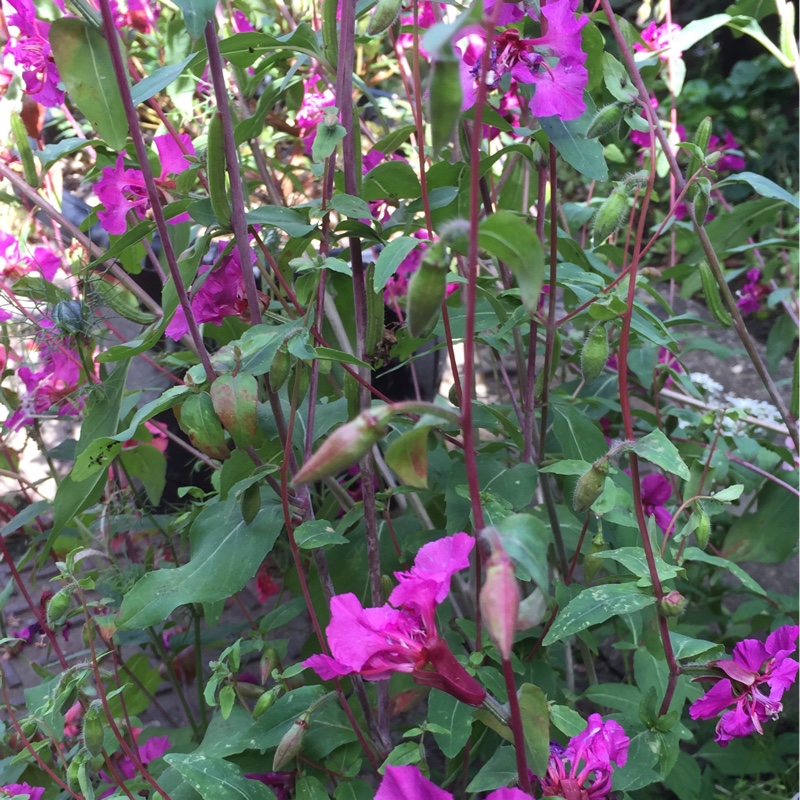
{"x": 747, "y": 406}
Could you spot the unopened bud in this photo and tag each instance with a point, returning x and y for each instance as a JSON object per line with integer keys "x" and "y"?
{"x": 93, "y": 728}
{"x": 499, "y": 598}
{"x": 426, "y": 292}
{"x": 299, "y": 381}
{"x": 672, "y": 604}
{"x": 605, "y": 121}
{"x": 387, "y": 587}
{"x": 58, "y": 607}
{"x": 279, "y": 369}
{"x": 269, "y": 661}
{"x": 265, "y": 702}
{"x": 291, "y": 743}
{"x": 610, "y": 216}
{"x": 590, "y": 486}
{"x": 703, "y": 530}
{"x": 594, "y": 354}
{"x": 702, "y": 137}
{"x": 346, "y": 445}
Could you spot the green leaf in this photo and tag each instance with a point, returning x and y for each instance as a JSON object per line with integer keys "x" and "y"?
{"x": 215, "y": 778}
{"x": 499, "y": 770}
{"x": 617, "y": 696}
{"x": 698, "y": 29}
{"x": 512, "y": 240}
{"x": 243, "y": 49}
{"x": 569, "y": 138}
{"x": 98, "y": 455}
{"x": 453, "y": 716}
{"x": 569, "y": 466}
{"x": 696, "y": 554}
{"x": 317, "y": 533}
{"x": 579, "y": 437}
{"x": 658, "y": 450}
{"x": 196, "y": 15}
{"x": 567, "y": 720}
{"x": 235, "y": 399}
{"x": 329, "y": 354}
{"x": 326, "y": 141}
{"x": 287, "y": 219}
{"x": 394, "y": 179}
{"x": 353, "y": 790}
{"x": 23, "y": 517}
{"x": 689, "y": 647}
{"x": 394, "y": 140}
{"x": 536, "y": 725}
{"x": 225, "y": 554}
{"x": 158, "y": 80}
{"x": 167, "y": 400}
{"x": 149, "y": 465}
{"x": 350, "y": 206}
{"x": 526, "y": 540}
{"x": 310, "y": 788}
{"x": 101, "y": 420}
{"x": 729, "y": 494}
{"x": 595, "y": 605}
{"x": 85, "y": 67}
{"x": 390, "y": 259}
{"x": 634, "y": 560}
{"x": 408, "y": 457}
{"x": 763, "y": 186}
{"x": 52, "y": 153}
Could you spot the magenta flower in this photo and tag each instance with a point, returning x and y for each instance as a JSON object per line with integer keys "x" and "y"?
{"x": 408, "y": 783}
{"x": 30, "y": 49}
{"x": 122, "y": 190}
{"x": 401, "y": 636}
{"x": 582, "y": 770}
{"x": 14, "y": 265}
{"x": 729, "y": 162}
{"x": 426, "y": 18}
{"x": 312, "y": 110}
{"x": 655, "y": 493}
{"x": 22, "y": 789}
{"x": 751, "y": 294}
{"x": 659, "y": 38}
{"x": 221, "y": 295}
{"x": 755, "y": 667}
{"x": 553, "y": 63}
{"x": 154, "y": 748}
{"x": 281, "y": 783}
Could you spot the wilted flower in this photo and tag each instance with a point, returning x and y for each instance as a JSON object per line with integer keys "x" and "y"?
{"x": 122, "y": 190}
{"x": 401, "y": 636}
{"x": 408, "y": 783}
{"x": 30, "y": 49}
{"x": 756, "y": 666}
{"x": 582, "y": 770}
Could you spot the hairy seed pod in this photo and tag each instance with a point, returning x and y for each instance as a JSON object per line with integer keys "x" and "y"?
{"x": 444, "y": 97}
{"x": 713, "y": 297}
{"x": 119, "y": 299}
{"x": 217, "y": 172}
{"x": 69, "y": 316}
{"x": 610, "y": 216}
{"x": 590, "y": 486}
{"x": 93, "y": 728}
{"x": 701, "y": 138}
{"x": 58, "y": 607}
{"x": 426, "y": 292}
{"x": 594, "y": 353}
{"x": 606, "y": 120}
{"x": 672, "y": 604}
{"x": 383, "y": 16}
{"x": 280, "y": 368}
{"x": 291, "y": 743}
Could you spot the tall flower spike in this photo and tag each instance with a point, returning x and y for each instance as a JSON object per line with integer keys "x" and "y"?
{"x": 401, "y": 636}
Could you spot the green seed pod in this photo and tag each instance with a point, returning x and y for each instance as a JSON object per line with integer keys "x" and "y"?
{"x": 119, "y": 299}
{"x": 701, "y": 138}
{"x": 346, "y": 445}
{"x": 606, "y": 120}
{"x": 23, "y": 144}
{"x": 291, "y": 743}
{"x": 713, "y": 297}
{"x": 610, "y": 216}
{"x": 93, "y": 728}
{"x": 251, "y": 503}
{"x": 703, "y": 530}
{"x": 58, "y": 607}
{"x": 444, "y": 97}
{"x": 268, "y": 662}
{"x": 280, "y": 368}
{"x": 217, "y": 172}
{"x": 69, "y": 317}
{"x": 266, "y": 701}
{"x": 594, "y": 353}
{"x": 330, "y": 32}
{"x": 299, "y": 381}
{"x": 426, "y": 292}
{"x": 383, "y": 16}
{"x": 590, "y": 486}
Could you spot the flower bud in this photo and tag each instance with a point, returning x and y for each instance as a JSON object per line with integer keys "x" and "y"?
{"x": 58, "y": 607}
{"x": 426, "y": 292}
{"x": 93, "y": 728}
{"x": 703, "y": 530}
{"x": 291, "y": 743}
{"x": 346, "y": 445}
{"x": 590, "y": 486}
{"x": 499, "y": 599}
{"x": 279, "y": 369}
{"x": 68, "y": 316}
{"x": 383, "y": 16}
{"x": 299, "y": 381}
{"x": 269, "y": 661}
{"x": 605, "y": 121}
{"x": 702, "y": 137}
{"x": 672, "y": 604}
{"x": 610, "y": 216}
{"x": 594, "y": 353}
{"x": 265, "y": 702}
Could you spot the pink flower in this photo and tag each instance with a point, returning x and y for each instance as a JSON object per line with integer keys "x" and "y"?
{"x": 30, "y": 49}
{"x": 312, "y": 110}
{"x": 281, "y": 783}
{"x": 655, "y": 493}
{"x": 221, "y": 295}
{"x": 14, "y": 265}
{"x": 154, "y": 748}
{"x": 729, "y": 162}
{"x": 754, "y": 665}
{"x": 659, "y": 38}
{"x": 553, "y": 63}
{"x": 596, "y": 748}
{"x": 265, "y": 585}
{"x": 122, "y": 190}
{"x": 22, "y": 789}
{"x": 425, "y": 19}
{"x": 72, "y": 719}
{"x": 401, "y": 636}
{"x": 408, "y": 783}
{"x": 751, "y": 294}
